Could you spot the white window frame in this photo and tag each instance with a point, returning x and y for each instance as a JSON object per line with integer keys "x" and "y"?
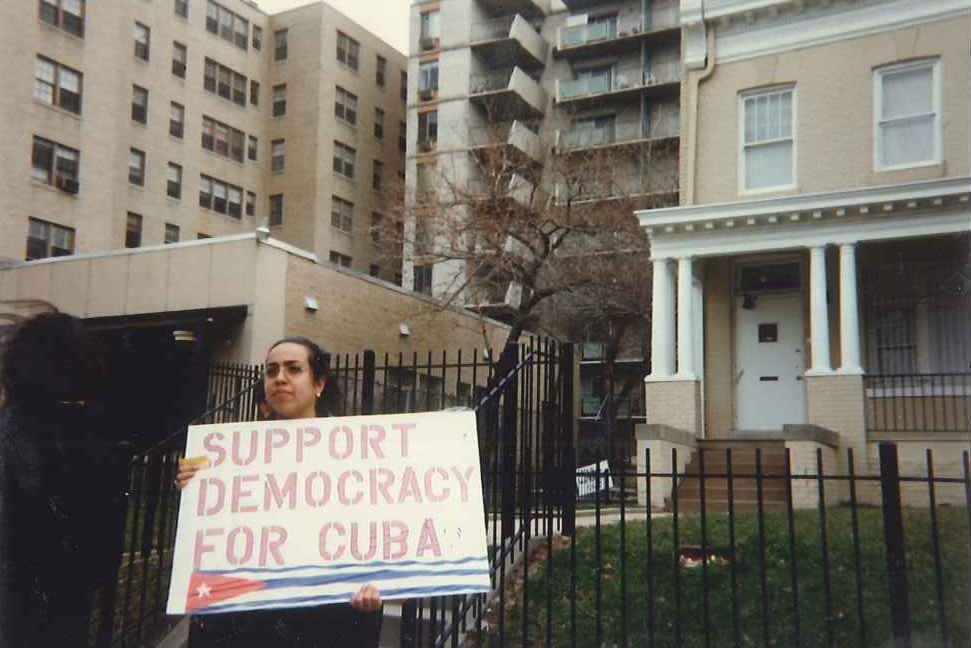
{"x": 878, "y": 74}
{"x": 740, "y": 163}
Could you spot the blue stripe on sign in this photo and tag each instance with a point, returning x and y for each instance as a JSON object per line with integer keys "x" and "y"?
{"x": 365, "y": 577}
{"x": 307, "y": 601}
{"x": 375, "y": 563}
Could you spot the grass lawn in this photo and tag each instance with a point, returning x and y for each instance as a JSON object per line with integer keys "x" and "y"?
{"x": 553, "y": 578}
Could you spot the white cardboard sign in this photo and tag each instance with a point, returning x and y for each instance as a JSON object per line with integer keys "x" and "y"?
{"x": 587, "y": 478}
{"x": 301, "y": 513}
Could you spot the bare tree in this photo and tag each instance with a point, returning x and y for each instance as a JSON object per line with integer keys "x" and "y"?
{"x": 514, "y": 233}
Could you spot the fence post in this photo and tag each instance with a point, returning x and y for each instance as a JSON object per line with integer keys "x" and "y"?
{"x": 569, "y": 452}
{"x": 893, "y": 535}
{"x": 367, "y": 384}
{"x": 409, "y": 623}
{"x": 510, "y": 416}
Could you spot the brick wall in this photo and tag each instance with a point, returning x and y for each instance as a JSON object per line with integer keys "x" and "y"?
{"x": 675, "y": 403}
{"x": 358, "y": 313}
{"x": 836, "y": 403}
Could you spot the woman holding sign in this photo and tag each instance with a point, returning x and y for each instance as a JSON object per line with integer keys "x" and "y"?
{"x": 297, "y": 386}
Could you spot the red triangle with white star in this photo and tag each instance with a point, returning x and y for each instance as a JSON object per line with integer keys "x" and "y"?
{"x": 206, "y": 589}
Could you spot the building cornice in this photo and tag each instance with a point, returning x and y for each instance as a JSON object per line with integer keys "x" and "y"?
{"x": 918, "y": 209}
{"x": 764, "y": 38}
{"x": 807, "y": 204}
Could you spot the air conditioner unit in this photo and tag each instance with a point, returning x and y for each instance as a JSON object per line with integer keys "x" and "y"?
{"x": 426, "y": 145}
{"x": 427, "y": 43}
{"x": 426, "y": 94}
{"x": 67, "y": 185}
{"x": 622, "y": 81}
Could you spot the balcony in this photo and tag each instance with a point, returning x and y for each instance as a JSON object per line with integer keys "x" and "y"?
{"x": 604, "y": 38}
{"x": 617, "y": 133}
{"x": 509, "y": 41}
{"x": 621, "y": 81}
{"x": 528, "y": 8}
{"x": 508, "y": 95}
{"x": 520, "y": 141}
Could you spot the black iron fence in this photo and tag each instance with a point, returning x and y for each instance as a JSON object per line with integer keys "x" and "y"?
{"x": 755, "y": 555}
{"x": 130, "y": 607}
{"x": 918, "y": 402}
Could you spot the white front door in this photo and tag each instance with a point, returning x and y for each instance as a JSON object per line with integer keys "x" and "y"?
{"x": 769, "y": 345}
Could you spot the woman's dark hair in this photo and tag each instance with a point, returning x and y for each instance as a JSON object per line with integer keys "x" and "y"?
{"x": 330, "y": 402}
{"x": 49, "y": 361}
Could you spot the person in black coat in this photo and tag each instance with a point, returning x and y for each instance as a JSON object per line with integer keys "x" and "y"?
{"x": 61, "y": 483}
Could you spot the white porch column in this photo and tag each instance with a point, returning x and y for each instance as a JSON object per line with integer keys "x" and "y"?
{"x": 819, "y": 312}
{"x": 686, "y": 341}
{"x": 849, "y": 312}
{"x": 662, "y": 320}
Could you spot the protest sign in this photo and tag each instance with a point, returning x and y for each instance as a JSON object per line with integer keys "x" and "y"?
{"x": 304, "y": 512}
{"x": 587, "y": 481}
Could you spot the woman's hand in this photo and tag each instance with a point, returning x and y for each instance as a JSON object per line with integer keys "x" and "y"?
{"x": 367, "y": 599}
{"x": 187, "y": 470}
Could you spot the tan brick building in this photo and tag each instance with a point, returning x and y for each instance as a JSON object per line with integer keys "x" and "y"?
{"x": 138, "y": 123}
{"x": 812, "y": 287}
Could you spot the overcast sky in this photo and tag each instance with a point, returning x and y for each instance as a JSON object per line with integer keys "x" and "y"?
{"x": 386, "y": 18}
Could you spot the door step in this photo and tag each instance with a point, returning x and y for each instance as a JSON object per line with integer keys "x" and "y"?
{"x": 753, "y": 461}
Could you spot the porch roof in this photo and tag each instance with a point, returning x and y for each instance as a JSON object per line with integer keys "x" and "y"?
{"x": 916, "y": 209}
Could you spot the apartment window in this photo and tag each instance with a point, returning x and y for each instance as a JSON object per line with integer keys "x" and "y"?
{"x": 250, "y": 203}
{"x": 280, "y": 100}
{"x": 907, "y": 115}
{"x": 171, "y": 233}
{"x": 136, "y": 167}
{"x": 430, "y": 30}
{"x": 253, "y": 148}
{"x": 374, "y": 270}
{"x": 139, "y": 104}
{"x": 767, "y": 147}
{"x": 133, "y": 230}
{"x": 404, "y": 87}
{"x": 55, "y": 164}
{"x": 225, "y": 82}
{"x": 345, "y": 106}
{"x": 423, "y": 279}
{"x": 276, "y": 210}
{"x": 227, "y": 25}
{"x": 377, "y": 224}
{"x": 340, "y": 259}
{"x": 378, "y": 123}
{"x": 257, "y": 38}
{"x": 348, "y": 50}
{"x": 402, "y": 137}
{"x": 280, "y": 45}
{"x": 278, "y": 155}
{"x": 176, "y": 119}
{"x": 427, "y": 80}
{"x": 66, "y": 14}
{"x": 57, "y": 85}
{"x": 254, "y": 93}
{"x": 180, "y": 59}
{"x": 182, "y": 8}
{"x": 222, "y": 139}
{"x": 344, "y": 159}
{"x": 173, "y": 185}
{"x": 381, "y": 71}
{"x": 220, "y": 196}
{"x": 48, "y": 240}
{"x": 428, "y": 130}
{"x": 377, "y": 175}
{"x": 342, "y": 214}
{"x": 143, "y": 37}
